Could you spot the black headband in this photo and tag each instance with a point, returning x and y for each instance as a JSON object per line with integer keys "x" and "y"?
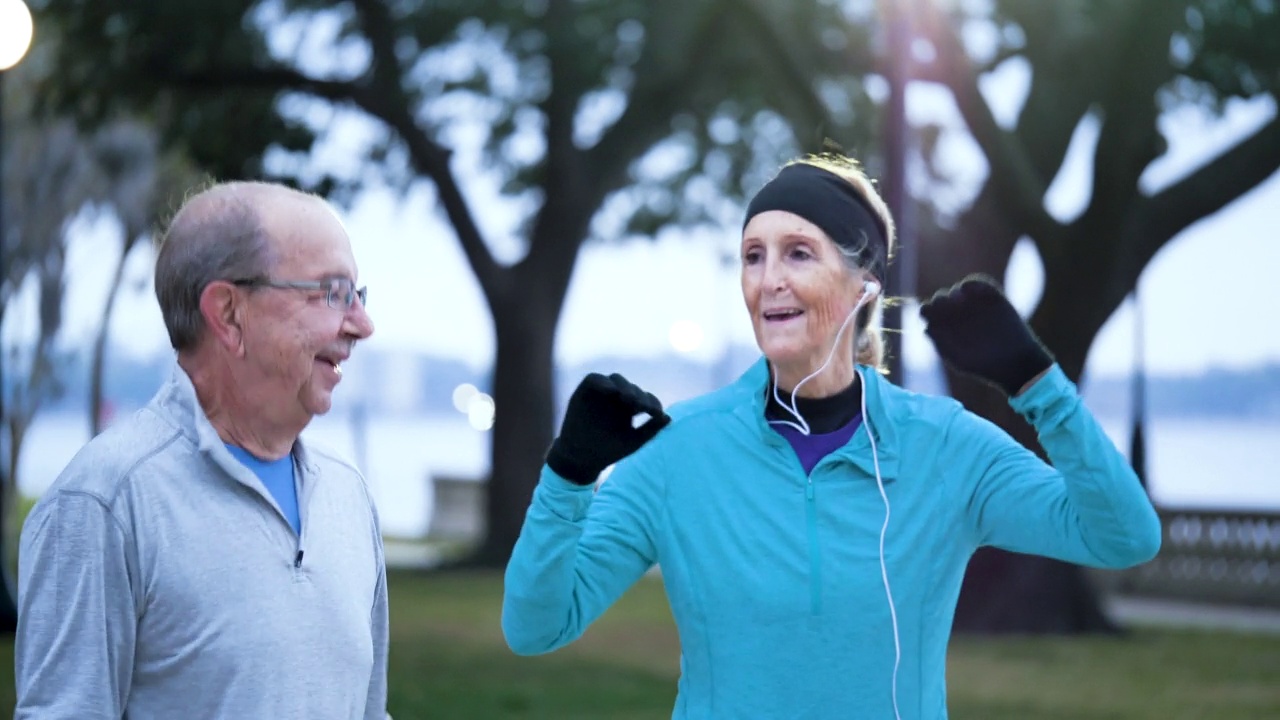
{"x": 833, "y": 204}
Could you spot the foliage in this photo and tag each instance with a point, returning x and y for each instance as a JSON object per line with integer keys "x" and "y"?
{"x": 57, "y": 175}
{"x": 601, "y": 118}
{"x": 608, "y": 117}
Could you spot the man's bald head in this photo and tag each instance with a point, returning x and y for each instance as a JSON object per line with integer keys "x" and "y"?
{"x": 221, "y": 233}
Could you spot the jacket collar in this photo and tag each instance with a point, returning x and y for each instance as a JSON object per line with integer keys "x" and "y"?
{"x": 877, "y": 425}
{"x": 177, "y": 400}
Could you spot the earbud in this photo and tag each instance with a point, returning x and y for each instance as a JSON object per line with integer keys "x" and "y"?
{"x": 870, "y": 289}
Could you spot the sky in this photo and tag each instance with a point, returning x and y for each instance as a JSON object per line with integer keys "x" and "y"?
{"x": 1205, "y": 296}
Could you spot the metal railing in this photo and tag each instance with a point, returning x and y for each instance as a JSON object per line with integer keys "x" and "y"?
{"x": 1218, "y": 557}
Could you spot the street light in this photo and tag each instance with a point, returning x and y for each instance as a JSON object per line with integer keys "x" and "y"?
{"x": 685, "y": 336}
{"x": 901, "y": 281}
{"x": 16, "y": 29}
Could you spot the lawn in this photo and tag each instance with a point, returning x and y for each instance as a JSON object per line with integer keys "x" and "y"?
{"x": 448, "y": 661}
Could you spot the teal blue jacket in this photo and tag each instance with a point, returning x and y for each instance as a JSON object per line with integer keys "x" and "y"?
{"x": 774, "y": 577}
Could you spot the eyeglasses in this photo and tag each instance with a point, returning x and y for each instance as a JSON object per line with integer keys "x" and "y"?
{"x": 340, "y": 293}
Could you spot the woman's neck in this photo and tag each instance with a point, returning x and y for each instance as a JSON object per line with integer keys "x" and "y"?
{"x": 822, "y": 415}
{"x": 835, "y": 377}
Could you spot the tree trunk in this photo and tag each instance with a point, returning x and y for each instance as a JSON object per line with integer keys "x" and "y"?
{"x": 96, "y": 421}
{"x": 8, "y": 588}
{"x": 8, "y": 481}
{"x": 8, "y": 593}
{"x": 1008, "y": 593}
{"x": 524, "y": 395}
{"x": 8, "y": 495}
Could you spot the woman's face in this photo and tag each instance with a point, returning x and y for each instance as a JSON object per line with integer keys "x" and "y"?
{"x": 798, "y": 289}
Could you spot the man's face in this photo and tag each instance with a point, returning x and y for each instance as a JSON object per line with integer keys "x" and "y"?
{"x": 295, "y": 341}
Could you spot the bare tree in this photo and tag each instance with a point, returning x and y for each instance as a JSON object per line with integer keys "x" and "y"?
{"x": 54, "y": 174}
{"x": 45, "y": 188}
{"x": 137, "y": 184}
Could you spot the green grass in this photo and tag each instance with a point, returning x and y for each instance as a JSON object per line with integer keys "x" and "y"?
{"x": 448, "y": 661}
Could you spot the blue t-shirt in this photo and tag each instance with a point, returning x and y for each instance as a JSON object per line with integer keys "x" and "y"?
{"x": 810, "y": 449}
{"x": 277, "y": 476}
{"x": 832, "y": 422}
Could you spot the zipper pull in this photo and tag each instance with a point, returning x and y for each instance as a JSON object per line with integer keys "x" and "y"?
{"x": 297, "y": 561}
{"x": 808, "y": 490}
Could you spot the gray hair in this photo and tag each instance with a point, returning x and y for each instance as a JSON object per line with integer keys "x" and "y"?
{"x": 863, "y": 259}
{"x": 869, "y": 349}
{"x": 222, "y": 238}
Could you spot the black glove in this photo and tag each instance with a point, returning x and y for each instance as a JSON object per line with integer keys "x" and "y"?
{"x": 977, "y": 331}
{"x": 597, "y": 430}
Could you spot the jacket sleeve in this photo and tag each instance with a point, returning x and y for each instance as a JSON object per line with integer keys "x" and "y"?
{"x": 77, "y": 621}
{"x": 1087, "y": 507}
{"x": 578, "y": 552}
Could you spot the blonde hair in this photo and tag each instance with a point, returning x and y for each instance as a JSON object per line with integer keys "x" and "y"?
{"x": 870, "y": 349}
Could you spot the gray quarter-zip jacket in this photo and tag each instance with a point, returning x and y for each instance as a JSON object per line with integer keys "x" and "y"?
{"x": 157, "y": 578}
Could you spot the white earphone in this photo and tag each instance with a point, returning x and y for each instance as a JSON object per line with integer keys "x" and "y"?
{"x": 870, "y": 289}
{"x": 884, "y": 529}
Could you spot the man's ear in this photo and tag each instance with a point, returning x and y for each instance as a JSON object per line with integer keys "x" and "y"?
{"x": 223, "y": 309}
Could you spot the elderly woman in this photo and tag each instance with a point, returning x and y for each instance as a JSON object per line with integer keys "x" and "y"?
{"x": 812, "y": 520}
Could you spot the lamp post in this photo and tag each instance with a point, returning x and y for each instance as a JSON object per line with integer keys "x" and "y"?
{"x": 16, "y": 29}
{"x": 901, "y": 275}
{"x": 1138, "y": 394}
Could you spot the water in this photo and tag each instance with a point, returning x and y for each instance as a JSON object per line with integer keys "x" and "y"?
{"x": 1199, "y": 463}
{"x": 402, "y": 454}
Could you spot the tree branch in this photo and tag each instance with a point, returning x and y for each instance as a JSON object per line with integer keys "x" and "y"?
{"x": 559, "y": 107}
{"x": 661, "y": 73}
{"x": 791, "y": 71}
{"x": 981, "y": 242}
{"x": 563, "y": 221}
{"x": 1129, "y": 140}
{"x": 1202, "y": 193}
{"x": 1011, "y": 168}
{"x": 388, "y": 101}
{"x": 935, "y": 70}
{"x": 378, "y": 94}
{"x": 379, "y": 30}
{"x": 274, "y": 79}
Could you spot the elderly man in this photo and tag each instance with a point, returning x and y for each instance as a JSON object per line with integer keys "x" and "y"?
{"x": 198, "y": 560}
